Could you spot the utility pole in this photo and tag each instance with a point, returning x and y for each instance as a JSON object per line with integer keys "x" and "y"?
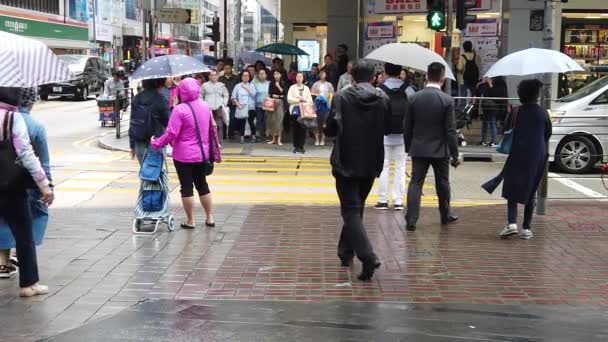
{"x": 448, "y": 43}
{"x": 152, "y": 28}
{"x": 144, "y": 15}
{"x": 225, "y": 42}
{"x": 551, "y": 10}
{"x": 95, "y": 45}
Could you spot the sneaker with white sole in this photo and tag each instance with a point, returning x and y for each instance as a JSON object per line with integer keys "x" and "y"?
{"x": 33, "y": 290}
{"x": 398, "y": 207}
{"x": 7, "y": 271}
{"x": 381, "y": 206}
{"x": 509, "y": 230}
{"x": 526, "y": 234}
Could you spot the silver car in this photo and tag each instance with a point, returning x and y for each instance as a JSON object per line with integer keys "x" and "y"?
{"x": 580, "y": 128}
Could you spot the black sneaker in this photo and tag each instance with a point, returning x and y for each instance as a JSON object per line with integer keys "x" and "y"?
{"x": 398, "y": 207}
{"x": 13, "y": 260}
{"x": 7, "y": 271}
{"x": 381, "y": 206}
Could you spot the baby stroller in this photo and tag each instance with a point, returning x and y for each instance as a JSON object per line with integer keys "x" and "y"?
{"x": 152, "y": 207}
{"x": 464, "y": 120}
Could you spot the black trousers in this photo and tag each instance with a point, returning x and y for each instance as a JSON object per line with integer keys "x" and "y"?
{"x": 353, "y": 239}
{"x": 232, "y": 122}
{"x": 420, "y": 167}
{"x": 15, "y": 210}
{"x": 241, "y": 124}
{"x": 191, "y": 175}
{"x": 299, "y": 134}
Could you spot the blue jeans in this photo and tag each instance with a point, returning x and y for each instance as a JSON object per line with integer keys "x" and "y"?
{"x": 465, "y": 91}
{"x": 260, "y": 121}
{"x": 491, "y": 124}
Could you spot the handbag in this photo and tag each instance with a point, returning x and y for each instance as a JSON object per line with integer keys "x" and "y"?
{"x": 242, "y": 113}
{"x": 152, "y": 165}
{"x": 295, "y": 111}
{"x": 308, "y": 123}
{"x": 268, "y": 104}
{"x": 308, "y": 111}
{"x": 226, "y": 115}
{"x": 207, "y": 163}
{"x": 506, "y": 143}
{"x": 152, "y": 200}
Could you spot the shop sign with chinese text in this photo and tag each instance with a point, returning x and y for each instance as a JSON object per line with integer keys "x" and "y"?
{"x": 380, "y": 30}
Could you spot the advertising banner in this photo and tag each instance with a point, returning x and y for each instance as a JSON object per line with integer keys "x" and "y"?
{"x": 380, "y": 30}
{"x": 482, "y": 28}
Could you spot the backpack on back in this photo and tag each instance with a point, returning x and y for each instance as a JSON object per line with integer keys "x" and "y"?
{"x": 140, "y": 127}
{"x": 471, "y": 71}
{"x": 13, "y": 175}
{"x": 398, "y": 102}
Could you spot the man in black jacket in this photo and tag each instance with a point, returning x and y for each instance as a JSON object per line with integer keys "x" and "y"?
{"x": 431, "y": 139}
{"x": 358, "y": 121}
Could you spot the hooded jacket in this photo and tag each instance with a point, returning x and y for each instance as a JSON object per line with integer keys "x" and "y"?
{"x": 158, "y": 107}
{"x": 181, "y": 132}
{"x": 359, "y": 119}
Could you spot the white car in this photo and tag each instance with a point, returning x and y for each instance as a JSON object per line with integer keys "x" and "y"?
{"x": 580, "y": 128}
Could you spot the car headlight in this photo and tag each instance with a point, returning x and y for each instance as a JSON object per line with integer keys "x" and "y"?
{"x": 557, "y": 116}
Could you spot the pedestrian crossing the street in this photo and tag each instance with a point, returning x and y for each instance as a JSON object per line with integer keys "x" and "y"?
{"x": 113, "y": 179}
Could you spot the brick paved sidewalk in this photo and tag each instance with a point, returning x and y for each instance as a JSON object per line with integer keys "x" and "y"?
{"x": 96, "y": 267}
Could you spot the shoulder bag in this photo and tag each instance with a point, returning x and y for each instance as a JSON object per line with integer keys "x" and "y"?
{"x": 207, "y": 163}
{"x": 507, "y": 139}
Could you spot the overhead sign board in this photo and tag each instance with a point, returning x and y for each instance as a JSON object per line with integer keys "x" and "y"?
{"x": 174, "y": 15}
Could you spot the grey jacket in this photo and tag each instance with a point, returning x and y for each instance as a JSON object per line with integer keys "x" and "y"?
{"x": 430, "y": 125}
{"x": 215, "y": 94}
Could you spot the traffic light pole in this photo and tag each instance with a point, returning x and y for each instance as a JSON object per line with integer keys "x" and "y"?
{"x": 551, "y": 7}
{"x": 225, "y": 43}
{"x": 448, "y": 48}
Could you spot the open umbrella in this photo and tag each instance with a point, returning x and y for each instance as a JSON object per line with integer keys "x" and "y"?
{"x": 27, "y": 63}
{"x": 533, "y": 61}
{"x": 410, "y": 55}
{"x": 169, "y": 66}
{"x": 209, "y": 61}
{"x": 250, "y": 57}
{"x": 282, "y": 49}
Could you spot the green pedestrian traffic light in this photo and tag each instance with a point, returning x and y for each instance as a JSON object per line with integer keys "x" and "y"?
{"x": 436, "y": 20}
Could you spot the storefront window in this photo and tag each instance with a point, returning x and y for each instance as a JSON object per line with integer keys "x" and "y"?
{"x": 79, "y": 10}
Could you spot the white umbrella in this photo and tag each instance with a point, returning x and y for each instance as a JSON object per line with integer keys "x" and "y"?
{"x": 533, "y": 61}
{"x": 27, "y": 63}
{"x": 410, "y": 55}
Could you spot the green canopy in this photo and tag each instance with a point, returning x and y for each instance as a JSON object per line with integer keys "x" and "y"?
{"x": 282, "y": 49}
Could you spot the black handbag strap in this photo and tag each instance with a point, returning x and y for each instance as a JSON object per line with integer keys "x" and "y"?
{"x": 198, "y": 133}
{"x": 7, "y": 126}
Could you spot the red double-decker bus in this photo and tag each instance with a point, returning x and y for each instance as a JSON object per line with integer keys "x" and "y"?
{"x": 175, "y": 46}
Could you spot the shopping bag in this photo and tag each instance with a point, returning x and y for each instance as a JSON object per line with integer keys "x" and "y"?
{"x": 308, "y": 111}
{"x": 152, "y": 200}
{"x": 268, "y": 104}
{"x": 152, "y": 165}
{"x": 226, "y": 115}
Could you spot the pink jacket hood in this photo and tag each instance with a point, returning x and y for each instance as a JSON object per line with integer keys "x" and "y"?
{"x": 189, "y": 90}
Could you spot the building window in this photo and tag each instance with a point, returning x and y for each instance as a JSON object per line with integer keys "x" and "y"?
{"x": 46, "y": 6}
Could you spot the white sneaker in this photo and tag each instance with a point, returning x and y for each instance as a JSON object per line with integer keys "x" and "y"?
{"x": 526, "y": 234}
{"x": 34, "y": 290}
{"x": 317, "y": 143}
{"x": 509, "y": 230}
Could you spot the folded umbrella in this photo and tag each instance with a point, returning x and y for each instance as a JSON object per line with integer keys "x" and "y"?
{"x": 533, "y": 61}
{"x": 169, "y": 66}
{"x": 410, "y": 55}
{"x": 27, "y": 63}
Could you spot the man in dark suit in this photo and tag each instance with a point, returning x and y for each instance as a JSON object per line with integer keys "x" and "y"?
{"x": 431, "y": 140}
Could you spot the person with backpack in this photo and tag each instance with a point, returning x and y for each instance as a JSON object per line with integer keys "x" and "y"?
{"x": 20, "y": 167}
{"x": 394, "y": 144}
{"x": 149, "y": 117}
{"x": 468, "y": 68}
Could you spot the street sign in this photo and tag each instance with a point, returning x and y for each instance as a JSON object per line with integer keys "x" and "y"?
{"x": 174, "y": 15}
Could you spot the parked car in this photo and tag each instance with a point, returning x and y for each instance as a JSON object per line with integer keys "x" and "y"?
{"x": 87, "y": 78}
{"x": 580, "y": 128}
